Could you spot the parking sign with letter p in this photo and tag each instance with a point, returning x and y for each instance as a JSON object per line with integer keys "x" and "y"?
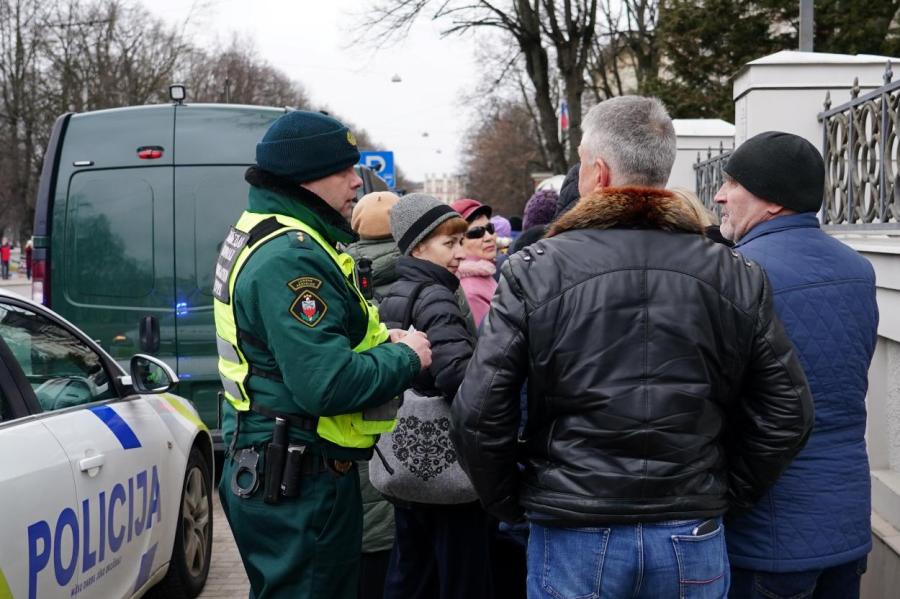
{"x": 382, "y": 163}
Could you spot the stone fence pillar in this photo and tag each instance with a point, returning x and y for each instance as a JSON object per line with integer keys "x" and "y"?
{"x": 785, "y": 91}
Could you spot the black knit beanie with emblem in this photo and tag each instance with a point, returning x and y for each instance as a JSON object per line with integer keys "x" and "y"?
{"x": 782, "y": 168}
{"x": 303, "y": 146}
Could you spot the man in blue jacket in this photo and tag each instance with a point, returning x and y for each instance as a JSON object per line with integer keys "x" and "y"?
{"x": 809, "y": 535}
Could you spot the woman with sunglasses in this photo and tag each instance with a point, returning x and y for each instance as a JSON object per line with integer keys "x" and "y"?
{"x": 476, "y": 272}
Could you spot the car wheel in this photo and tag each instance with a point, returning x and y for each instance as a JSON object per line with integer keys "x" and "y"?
{"x": 191, "y": 554}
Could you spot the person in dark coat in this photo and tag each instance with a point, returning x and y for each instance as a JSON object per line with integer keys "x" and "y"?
{"x": 568, "y": 192}
{"x": 528, "y": 237}
{"x": 29, "y": 253}
{"x": 662, "y": 389}
{"x": 539, "y": 212}
{"x": 810, "y": 533}
{"x": 515, "y": 223}
{"x": 439, "y": 550}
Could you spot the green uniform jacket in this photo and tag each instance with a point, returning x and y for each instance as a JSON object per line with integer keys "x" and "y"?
{"x": 322, "y": 374}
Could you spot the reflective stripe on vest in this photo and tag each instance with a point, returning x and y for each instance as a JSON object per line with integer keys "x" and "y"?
{"x": 357, "y": 430}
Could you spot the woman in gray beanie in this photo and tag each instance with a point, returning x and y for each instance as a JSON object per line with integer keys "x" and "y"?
{"x": 439, "y": 550}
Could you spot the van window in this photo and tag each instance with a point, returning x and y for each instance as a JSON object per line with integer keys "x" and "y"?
{"x": 110, "y": 234}
{"x": 217, "y": 195}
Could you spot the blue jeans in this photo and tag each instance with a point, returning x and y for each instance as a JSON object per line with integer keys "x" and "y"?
{"x": 837, "y": 582}
{"x": 655, "y": 560}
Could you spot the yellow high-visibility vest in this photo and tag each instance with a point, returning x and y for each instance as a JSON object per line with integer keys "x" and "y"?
{"x": 356, "y": 430}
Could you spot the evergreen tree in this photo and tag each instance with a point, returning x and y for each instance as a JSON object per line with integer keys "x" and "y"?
{"x": 704, "y": 43}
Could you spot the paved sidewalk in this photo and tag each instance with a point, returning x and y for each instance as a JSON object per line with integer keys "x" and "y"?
{"x": 227, "y": 579}
{"x": 17, "y": 284}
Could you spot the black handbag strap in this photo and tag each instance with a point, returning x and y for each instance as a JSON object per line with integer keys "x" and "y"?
{"x": 408, "y": 314}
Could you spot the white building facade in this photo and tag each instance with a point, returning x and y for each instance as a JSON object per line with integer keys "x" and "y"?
{"x": 444, "y": 187}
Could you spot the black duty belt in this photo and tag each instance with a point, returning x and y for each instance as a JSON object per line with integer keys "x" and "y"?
{"x": 272, "y": 375}
{"x": 304, "y": 423}
{"x": 300, "y": 463}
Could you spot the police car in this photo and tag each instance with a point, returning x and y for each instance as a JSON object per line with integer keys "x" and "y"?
{"x": 105, "y": 478}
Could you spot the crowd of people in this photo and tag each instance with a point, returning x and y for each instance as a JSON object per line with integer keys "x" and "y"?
{"x": 614, "y": 395}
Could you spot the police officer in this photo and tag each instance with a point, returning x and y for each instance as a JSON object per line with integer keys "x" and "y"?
{"x": 310, "y": 375}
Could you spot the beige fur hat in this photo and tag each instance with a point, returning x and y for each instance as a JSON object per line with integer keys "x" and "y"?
{"x": 370, "y": 217}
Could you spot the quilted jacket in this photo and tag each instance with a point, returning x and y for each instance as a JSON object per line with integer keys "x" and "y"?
{"x": 660, "y": 384}
{"x": 437, "y": 313}
{"x": 817, "y": 514}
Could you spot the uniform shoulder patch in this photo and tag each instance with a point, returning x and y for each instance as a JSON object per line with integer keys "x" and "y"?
{"x": 308, "y": 308}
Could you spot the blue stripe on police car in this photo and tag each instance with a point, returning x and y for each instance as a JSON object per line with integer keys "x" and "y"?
{"x": 118, "y": 426}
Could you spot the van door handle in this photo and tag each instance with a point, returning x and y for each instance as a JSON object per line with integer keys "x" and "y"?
{"x": 91, "y": 462}
{"x": 149, "y": 334}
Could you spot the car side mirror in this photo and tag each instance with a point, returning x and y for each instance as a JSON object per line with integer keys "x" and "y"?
{"x": 151, "y": 375}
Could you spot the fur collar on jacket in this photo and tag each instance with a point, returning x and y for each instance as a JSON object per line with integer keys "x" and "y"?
{"x": 629, "y": 207}
{"x": 476, "y": 267}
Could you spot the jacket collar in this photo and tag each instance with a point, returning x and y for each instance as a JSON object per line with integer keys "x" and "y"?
{"x": 629, "y": 207}
{"x": 804, "y": 220}
{"x": 472, "y": 266}
{"x": 416, "y": 269}
{"x": 270, "y": 194}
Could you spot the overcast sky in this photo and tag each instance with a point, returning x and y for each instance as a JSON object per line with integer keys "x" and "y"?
{"x": 310, "y": 40}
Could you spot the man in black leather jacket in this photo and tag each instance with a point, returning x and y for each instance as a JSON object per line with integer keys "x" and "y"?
{"x": 662, "y": 389}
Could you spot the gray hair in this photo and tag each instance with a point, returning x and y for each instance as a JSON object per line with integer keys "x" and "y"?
{"x": 634, "y": 136}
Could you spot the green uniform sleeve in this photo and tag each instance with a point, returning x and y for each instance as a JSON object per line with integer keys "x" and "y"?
{"x": 307, "y": 311}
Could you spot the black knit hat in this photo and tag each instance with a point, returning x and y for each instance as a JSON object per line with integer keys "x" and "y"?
{"x": 304, "y": 146}
{"x": 782, "y": 168}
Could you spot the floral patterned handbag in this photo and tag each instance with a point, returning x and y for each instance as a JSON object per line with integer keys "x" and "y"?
{"x": 417, "y": 461}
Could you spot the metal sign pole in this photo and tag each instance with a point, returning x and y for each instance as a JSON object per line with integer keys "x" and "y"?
{"x": 806, "y": 25}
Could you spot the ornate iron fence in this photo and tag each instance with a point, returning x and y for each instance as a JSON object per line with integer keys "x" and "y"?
{"x": 861, "y": 149}
{"x": 709, "y": 176}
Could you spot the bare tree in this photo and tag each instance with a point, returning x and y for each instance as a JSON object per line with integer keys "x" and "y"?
{"x": 20, "y": 49}
{"x": 501, "y": 154}
{"x": 566, "y": 27}
{"x": 625, "y": 55}
{"x": 236, "y": 74}
{"x": 59, "y": 56}
{"x": 63, "y": 56}
{"x": 110, "y": 53}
